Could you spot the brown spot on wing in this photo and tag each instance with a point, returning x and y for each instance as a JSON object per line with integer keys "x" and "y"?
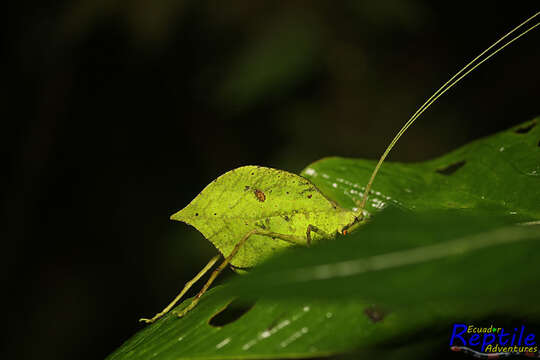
{"x": 259, "y": 195}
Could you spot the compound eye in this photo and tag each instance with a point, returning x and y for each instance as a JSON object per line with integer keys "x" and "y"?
{"x": 344, "y": 232}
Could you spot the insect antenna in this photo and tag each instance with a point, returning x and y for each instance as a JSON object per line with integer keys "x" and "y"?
{"x": 472, "y": 65}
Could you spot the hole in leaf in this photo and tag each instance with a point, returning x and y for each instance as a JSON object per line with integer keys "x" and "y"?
{"x": 230, "y": 313}
{"x": 526, "y": 128}
{"x": 452, "y": 168}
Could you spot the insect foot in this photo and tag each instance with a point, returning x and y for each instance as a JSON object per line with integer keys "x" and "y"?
{"x": 183, "y": 313}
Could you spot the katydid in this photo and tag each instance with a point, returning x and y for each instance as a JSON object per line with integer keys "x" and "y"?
{"x": 252, "y": 212}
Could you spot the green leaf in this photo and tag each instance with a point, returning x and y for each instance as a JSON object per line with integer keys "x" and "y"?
{"x": 404, "y": 259}
{"x": 290, "y": 329}
{"x": 422, "y": 264}
{"x": 400, "y": 273}
{"x": 255, "y": 197}
{"x": 497, "y": 174}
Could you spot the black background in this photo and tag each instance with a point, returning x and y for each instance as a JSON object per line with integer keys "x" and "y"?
{"x": 117, "y": 113}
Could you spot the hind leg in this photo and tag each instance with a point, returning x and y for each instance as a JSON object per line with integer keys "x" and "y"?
{"x": 188, "y": 285}
{"x": 290, "y": 238}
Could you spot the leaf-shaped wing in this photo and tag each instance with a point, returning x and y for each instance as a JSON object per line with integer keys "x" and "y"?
{"x": 255, "y": 197}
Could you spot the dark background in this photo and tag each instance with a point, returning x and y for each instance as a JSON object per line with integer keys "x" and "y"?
{"x": 115, "y": 114}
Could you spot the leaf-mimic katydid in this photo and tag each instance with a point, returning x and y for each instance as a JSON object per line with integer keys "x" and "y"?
{"x": 252, "y": 212}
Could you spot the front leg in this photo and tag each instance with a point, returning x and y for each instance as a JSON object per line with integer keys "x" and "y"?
{"x": 315, "y": 229}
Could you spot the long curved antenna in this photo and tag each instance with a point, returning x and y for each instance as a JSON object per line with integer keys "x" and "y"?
{"x": 472, "y": 65}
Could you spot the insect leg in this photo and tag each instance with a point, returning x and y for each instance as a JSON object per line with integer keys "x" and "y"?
{"x": 290, "y": 238}
{"x": 315, "y": 229}
{"x": 184, "y": 290}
